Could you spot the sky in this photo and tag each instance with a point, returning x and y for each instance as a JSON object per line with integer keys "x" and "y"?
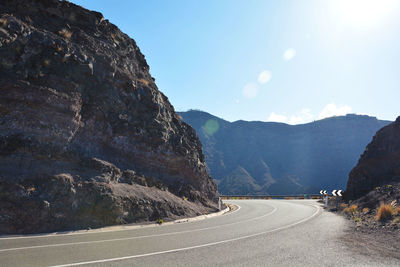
{"x": 287, "y": 61}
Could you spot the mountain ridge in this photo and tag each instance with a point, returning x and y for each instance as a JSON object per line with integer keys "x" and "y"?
{"x": 297, "y": 155}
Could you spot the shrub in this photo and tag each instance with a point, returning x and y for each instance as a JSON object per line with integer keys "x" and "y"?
{"x": 365, "y": 210}
{"x": 65, "y": 33}
{"x": 357, "y": 219}
{"x": 385, "y": 211}
{"x": 343, "y": 205}
{"x": 160, "y": 221}
{"x": 351, "y": 210}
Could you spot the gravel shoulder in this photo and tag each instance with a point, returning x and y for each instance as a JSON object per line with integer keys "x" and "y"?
{"x": 367, "y": 234}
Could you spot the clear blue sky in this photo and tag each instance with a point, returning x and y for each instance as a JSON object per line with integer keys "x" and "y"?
{"x": 290, "y": 61}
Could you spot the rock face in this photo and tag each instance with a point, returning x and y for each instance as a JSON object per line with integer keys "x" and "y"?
{"x": 253, "y": 157}
{"x": 86, "y": 138}
{"x": 378, "y": 165}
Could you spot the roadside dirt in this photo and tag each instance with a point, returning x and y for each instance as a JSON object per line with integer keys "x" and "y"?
{"x": 381, "y": 243}
{"x": 367, "y": 234}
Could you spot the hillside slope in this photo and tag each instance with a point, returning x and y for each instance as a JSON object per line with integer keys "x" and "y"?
{"x": 86, "y": 138}
{"x": 378, "y": 165}
{"x": 281, "y": 158}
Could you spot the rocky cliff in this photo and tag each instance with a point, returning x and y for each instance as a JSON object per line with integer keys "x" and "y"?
{"x": 378, "y": 165}
{"x": 86, "y": 138}
{"x": 254, "y": 157}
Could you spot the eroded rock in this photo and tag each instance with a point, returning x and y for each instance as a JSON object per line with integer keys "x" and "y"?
{"x": 86, "y": 138}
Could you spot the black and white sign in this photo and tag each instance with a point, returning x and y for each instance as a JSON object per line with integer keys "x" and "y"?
{"x": 337, "y": 193}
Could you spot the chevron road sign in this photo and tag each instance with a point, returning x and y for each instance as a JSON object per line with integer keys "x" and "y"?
{"x": 337, "y": 193}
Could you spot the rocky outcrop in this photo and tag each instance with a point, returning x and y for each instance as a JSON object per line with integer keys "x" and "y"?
{"x": 86, "y": 138}
{"x": 378, "y": 165}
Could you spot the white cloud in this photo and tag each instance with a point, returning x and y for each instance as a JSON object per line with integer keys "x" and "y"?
{"x": 331, "y": 110}
{"x": 264, "y": 77}
{"x": 289, "y": 54}
{"x": 303, "y": 117}
{"x": 250, "y": 90}
{"x": 277, "y": 117}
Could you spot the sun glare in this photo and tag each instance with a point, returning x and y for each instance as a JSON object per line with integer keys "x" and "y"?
{"x": 366, "y": 13}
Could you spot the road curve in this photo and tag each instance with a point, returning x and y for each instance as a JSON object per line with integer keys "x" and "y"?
{"x": 260, "y": 232}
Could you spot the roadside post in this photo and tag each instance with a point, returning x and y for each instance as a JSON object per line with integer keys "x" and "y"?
{"x": 324, "y": 194}
{"x": 336, "y": 194}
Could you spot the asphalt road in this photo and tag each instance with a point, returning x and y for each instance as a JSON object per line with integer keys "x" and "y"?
{"x": 259, "y": 233}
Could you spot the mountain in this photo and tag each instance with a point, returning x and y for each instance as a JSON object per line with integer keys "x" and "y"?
{"x": 277, "y": 158}
{"x": 86, "y": 137}
{"x": 378, "y": 165}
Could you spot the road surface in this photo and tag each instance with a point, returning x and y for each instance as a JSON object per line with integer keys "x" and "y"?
{"x": 259, "y": 233}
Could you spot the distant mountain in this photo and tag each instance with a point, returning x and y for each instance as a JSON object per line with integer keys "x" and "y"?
{"x": 276, "y": 158}
{"x": 379, "y": 164}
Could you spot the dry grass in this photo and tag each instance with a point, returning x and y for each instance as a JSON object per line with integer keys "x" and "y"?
{"x": 65, "y": 33}
{"x": 144, "y": 81}
{"x": 351, "y": 210}
{"x": 384, "y": 212}
{"x": 18, "y": 49}
{"x": 343, "y": 205}
{"x": 365, "y": 210}
{"x": 396, "y": 211}
{"x": 3, "y": 22}
{"x": 289, "y": 198}
{"x": 46, "y": 62}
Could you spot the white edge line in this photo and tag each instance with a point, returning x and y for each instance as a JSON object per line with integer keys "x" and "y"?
{"x": 192, "y": 247}
{"x": 108, "y": 229}
{"x": 139, "y": 237}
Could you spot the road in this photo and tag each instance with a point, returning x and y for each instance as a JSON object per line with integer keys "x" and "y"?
{"x": 259, "y": 233}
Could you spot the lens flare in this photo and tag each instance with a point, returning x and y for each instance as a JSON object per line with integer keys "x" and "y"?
{"x": 211, "y": 127}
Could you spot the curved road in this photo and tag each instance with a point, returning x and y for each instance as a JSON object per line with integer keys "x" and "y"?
{"x": 259, "y": 233}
